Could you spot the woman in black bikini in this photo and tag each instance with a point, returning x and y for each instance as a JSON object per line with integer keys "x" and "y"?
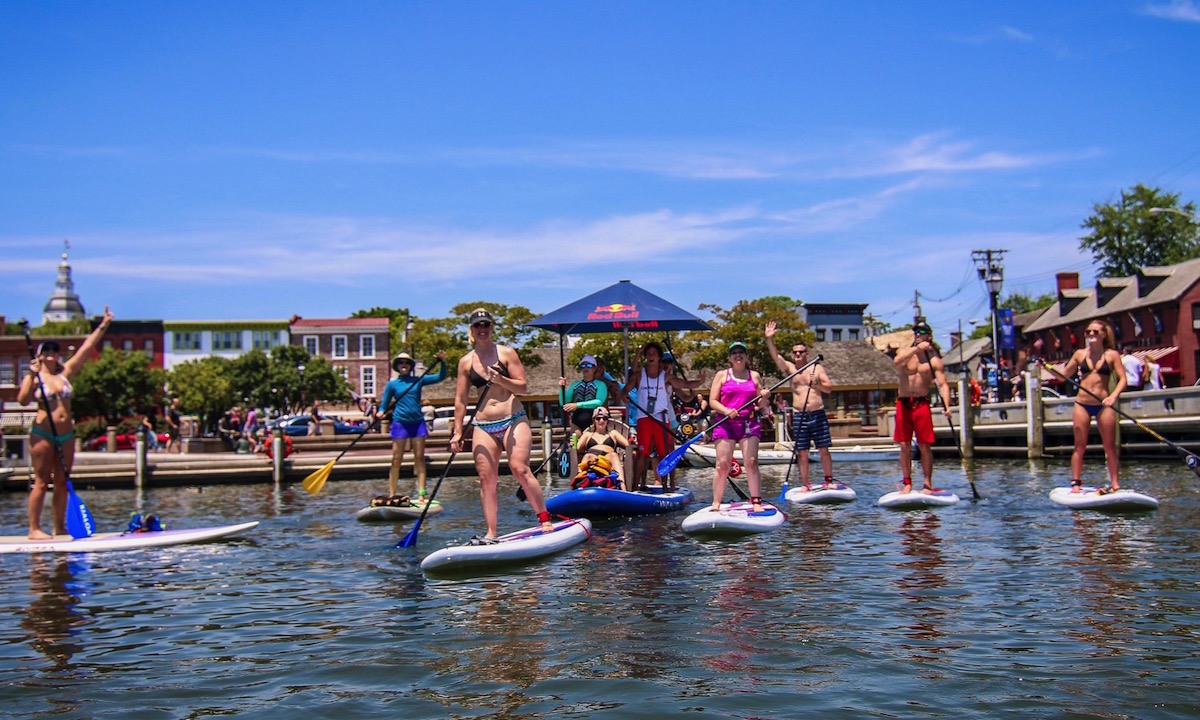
{"x": 1096, "y": 364}
{"x": 56, "y": 376}
{"x": 501, "y": 424}
{"x": 601, "y": 440}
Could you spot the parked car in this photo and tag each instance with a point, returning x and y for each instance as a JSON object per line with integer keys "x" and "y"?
{"x": 125, "y": 441}
{"x": 297, "y": 425}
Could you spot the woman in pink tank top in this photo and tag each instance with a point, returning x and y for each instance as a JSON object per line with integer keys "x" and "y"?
{"x": 731, "y": 390}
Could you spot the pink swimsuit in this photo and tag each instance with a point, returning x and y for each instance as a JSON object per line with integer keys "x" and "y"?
{"x": 735, "y": 393}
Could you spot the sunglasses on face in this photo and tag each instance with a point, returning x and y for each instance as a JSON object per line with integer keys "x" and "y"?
{"x": 1093, "y": 332}
{"x": 601, "y": 417}
{"x": 586, "y": 366}
{"x": 799, "y": 352}
{"x": 484, "y": 324}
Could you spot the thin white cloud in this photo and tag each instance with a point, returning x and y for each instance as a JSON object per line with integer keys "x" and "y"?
{"x": 1177, "y": 10}
{"x": 1015, "y": 34}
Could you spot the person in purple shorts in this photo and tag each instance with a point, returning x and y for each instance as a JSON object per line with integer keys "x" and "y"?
{"x": 731, "y": 389}
{"x": 408, "y": 422}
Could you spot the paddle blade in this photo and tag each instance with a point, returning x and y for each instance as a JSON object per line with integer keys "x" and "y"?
{"x": 782, "y": 493}
{"x": 80, "y": 523}
{"x": 667, "y": 464}
{"x": 313, "y": 483}
{"x": 410, "y": 540}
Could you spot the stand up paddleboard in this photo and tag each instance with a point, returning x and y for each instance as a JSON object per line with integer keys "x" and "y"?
{"x": 1089, "y": 499}
{"x": 822, "y": 494}
{"x": 917, "y": 499}
{"x": 391, "y": 513}
{"x": 734, "y": 519}
{"x": 597, "y": 502}
{"x": 520, "y": 546}
{"x": 121, "y": 541}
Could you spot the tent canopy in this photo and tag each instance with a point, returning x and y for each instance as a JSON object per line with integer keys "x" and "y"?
{"x": 617, "y": 308}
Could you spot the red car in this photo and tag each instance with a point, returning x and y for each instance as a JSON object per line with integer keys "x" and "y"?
{"x": 125, "y": 441}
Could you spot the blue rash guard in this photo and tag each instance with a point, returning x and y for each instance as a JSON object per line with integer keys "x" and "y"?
{"x": 408, "y": 408}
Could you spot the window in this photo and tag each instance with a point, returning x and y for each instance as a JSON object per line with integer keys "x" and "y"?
{"x": 148, "y": 348}
{"x": 227, "y": 340}
{"x": 836, "y": 334}
{"x": 185, "y": 341}
{"x": 820, "y": 335}
{"x": 8, "y": 372}
{"x": 343, "y": 371}
{"x": 310, "y": 344}
{"x": 127, "y": 345}
{"x": 106, "y": 344}
{"x": 339, "y": 346}
{"x": 265, "y": 339}
{"x": 367, "y": 376}
{"x": 854, "y": 334}
{"x": 366, "y": 346}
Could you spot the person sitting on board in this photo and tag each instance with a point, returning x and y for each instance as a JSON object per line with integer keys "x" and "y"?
{"x": 1097, "y": 363}
{"x": 501, "y": 424}
{"x": 600, "y": 440}
{"x": 584, "y": 395}
{"x": 402, "y": 395}
{"x": 44, "y": 446}
{"x": 654, "y": 386}
{"x": 919, "y": 368}
{"x": 732, "y": 389}
{"x": 810, "y": 423}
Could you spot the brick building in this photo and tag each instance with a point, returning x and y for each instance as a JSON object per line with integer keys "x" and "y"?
{"x": 359, "y": 348}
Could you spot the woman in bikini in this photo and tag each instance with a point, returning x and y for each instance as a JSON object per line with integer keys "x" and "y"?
{"x": 1097, "y": 362}
{"x": 56, "y": 377}
{"x": 730, "y": 390}
{"x": 501, "y": 424}
{"x": 599, "y": 440}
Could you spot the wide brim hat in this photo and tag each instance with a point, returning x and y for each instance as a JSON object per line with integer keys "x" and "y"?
{"x": 402, "y": 357}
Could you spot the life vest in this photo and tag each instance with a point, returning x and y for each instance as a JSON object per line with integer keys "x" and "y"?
{"x": 596, "y": 473}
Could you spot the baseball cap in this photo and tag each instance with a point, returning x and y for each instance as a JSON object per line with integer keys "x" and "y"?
{"x": 479, "y": 316}
{"x": 739, "y": 345}
{"x": 588, "y": 361}
{"x": 922, "y": 329}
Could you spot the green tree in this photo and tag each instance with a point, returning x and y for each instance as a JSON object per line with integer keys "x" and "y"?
{"x": 203, "y": 388}
{"x": 746, "y": 322}
{"x": 1125, "y": 236}
{"x": 59, "y": 328}
{"x": 320, "y": 381}
{"x": 510, "y": 328}
{"x": 398, "y": 319}
{"x": 429, "y": 336}
{"x": 118, "y": 385}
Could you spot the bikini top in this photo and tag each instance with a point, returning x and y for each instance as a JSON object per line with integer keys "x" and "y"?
{"x": 479, "y": 381}
{"x": 593, "y": 442}
{"x": 1102, "y": 369}
{"x": 64, "y": 393}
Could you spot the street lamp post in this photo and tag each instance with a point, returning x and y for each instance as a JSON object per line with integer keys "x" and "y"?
{"x": 995, "y": 281}
{"x": 303, "y": 402}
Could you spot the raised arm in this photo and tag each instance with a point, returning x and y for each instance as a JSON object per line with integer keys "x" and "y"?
{"x": 784, "y": 366}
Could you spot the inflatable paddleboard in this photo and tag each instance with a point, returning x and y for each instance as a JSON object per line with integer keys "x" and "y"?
{"x": 524, "y": 545}
{"x": 597, "y": 502}
{"x": 391, "y": 513}
{"x": 1089, "y": 499}
{"x": 121, "y": 541}
{"x": 734, "y": 519}
{"x": 917, "y": 499}
{"x": 822, "y": 494}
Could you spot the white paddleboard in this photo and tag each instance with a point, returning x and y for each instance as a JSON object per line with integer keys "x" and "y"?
{"x": 734, "y": 519}
{"x": 822, "y": 494}
{"x": 1089, "y": 499}
{"x": 917, "y": 499}
{"x": 120, "y": 541}
{"x": 523, "y": 545}
{"x": 391, "y": 513}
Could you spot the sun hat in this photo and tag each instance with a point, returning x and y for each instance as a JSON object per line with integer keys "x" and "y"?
{"x": 402, "y": 357}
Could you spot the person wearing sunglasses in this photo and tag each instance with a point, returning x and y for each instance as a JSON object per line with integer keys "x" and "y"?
{"x": 654, "y": 387}
{"x": 737, "y": 396}
{"x": 501, "y": 424}
{"x": 810, "y": 423}
{"x": 1096, "y": 362}
{"x": 402, "y": 396}
{"x": 602, "y": 440}
{"x": 53, "y": 417}
{"x": 920, "y": 369}
{"x": 583, "y": 396}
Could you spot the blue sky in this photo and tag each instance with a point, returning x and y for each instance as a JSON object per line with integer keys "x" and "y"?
{"x": 254, "y": 160}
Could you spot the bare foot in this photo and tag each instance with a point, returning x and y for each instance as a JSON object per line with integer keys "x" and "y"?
{"x": 715, "y": 508}
{"x": 547, "y": 527}
{"x": 905, "y": 488}
{"x": 757, "y": 507}
{"x": 927, "y": 489}
{"x": 39, "y": 534}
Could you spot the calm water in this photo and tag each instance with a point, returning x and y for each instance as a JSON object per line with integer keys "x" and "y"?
{"x": 1011, "y": 605}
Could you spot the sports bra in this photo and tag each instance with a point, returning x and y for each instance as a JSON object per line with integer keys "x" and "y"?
{"x": 479, "y": 381}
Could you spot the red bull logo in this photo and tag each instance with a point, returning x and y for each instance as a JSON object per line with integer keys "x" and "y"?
{"x": 614, "y": 311}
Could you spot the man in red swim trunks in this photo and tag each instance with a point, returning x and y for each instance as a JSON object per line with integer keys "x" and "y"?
{"x": 919, "y": 367}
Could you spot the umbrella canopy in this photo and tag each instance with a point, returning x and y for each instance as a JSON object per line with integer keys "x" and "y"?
{"x": 617, "y": 308}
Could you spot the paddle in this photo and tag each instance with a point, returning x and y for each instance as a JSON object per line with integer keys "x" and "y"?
{"x": 80, "y": 523}
{"x": 1189, "y": 458}
{"x": 679, "y": 438}
{"x": 672, "y": 459}
{"x": 314, "y": 482}
{"x": 795, "y": 447}
{"x": 410, "y": 539}
{"x": 958, "y": 444}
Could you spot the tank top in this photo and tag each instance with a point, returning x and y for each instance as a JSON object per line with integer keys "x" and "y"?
{"x": 736, "y": 393}
{"x": 655, "y": 397}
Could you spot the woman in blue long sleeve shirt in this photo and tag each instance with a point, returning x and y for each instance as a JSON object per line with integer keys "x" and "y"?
{"x": 408, "y": 422}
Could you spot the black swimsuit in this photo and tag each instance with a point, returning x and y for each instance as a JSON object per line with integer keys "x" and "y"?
{"x": 479, "y": 381}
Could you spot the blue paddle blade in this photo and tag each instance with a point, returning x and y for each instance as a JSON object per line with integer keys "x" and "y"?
{"x": 783, "y": 492}
{"x": 410, "y": 539}
{"x": 80, "y": 523}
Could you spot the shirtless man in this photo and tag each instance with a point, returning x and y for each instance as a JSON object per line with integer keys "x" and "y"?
{"x": 919, "y": 366}
{"x": 810, "y": 424}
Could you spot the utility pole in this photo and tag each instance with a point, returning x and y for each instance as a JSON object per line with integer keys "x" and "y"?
{"x": 917, "y": 315}
{"x": 991, "y": 272}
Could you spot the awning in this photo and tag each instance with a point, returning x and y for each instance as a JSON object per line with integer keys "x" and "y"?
{"x": 1166, "y": 357}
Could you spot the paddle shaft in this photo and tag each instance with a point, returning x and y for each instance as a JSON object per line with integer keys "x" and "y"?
{"x": 393, "y": 404}
{"x": 411, "y": 538}
{"x": 1190, "y": 458}
{"x": 670, "y": 461}
{"x": 958, "y": 444}
{"x": 679, "y": 438}
{"x": 49, "y": 415}
{"x": 795, "y": 448}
